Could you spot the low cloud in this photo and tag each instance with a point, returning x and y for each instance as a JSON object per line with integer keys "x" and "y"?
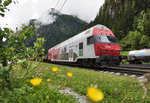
{"x": 34, "y": 9}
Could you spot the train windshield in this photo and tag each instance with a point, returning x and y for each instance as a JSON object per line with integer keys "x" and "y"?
{"x": 108, "y": 39}
{"x": 101, "y": 39}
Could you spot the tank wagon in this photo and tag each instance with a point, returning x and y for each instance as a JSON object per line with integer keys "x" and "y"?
{"x": 94, "y": 46}
{"x": 139, "y": 56}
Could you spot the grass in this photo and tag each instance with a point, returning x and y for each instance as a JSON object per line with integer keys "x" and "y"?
{"x": 116, "y": 89}
{"x": 125, "y": 53}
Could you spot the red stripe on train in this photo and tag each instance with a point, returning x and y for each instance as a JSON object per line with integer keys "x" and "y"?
{"x": 97, "y": 31}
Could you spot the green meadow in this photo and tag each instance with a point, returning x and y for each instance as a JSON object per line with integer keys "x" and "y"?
{"x": 116, "y": 89}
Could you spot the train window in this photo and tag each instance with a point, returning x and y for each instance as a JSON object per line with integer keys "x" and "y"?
{"x": 104, "y": 38}
{"x": 112, "y": 39}
{"x": 81, "y": 45}
{"x": 90, "y": 40}
{"x": 108, "y": 39}
{"x": 101, "y": 38}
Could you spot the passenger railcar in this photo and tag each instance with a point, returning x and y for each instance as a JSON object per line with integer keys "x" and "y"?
{"x": 95, "y": 46}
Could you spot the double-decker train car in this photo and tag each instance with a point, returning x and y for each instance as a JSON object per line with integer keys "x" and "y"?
{"x": 95, "y": 46}
{"x": 139, "y": 56}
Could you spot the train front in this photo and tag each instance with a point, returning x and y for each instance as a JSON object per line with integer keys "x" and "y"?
{"x": 107, "y": 48}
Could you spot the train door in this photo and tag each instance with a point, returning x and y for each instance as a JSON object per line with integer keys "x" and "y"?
{"x": 52, "y": 56}
{"x": 81, "y": 49}
{"x": 71, "y": 54}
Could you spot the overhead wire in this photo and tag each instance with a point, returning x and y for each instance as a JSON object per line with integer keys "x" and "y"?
{"x": 56, "y": 4}
{"x": 59, "y": 10}
{"x": 54, "y": 9}
{"x": 63, "y": 5}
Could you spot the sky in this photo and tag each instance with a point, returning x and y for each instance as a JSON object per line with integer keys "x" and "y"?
{"x": 33, "y": 9}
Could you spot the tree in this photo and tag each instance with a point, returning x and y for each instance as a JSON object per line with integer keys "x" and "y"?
{"x": 139, "y": 38}
{"x": 13, "y": 48}
{"x": 3, "y": 6}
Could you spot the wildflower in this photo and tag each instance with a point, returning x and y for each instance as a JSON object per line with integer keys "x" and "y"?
{"x": 95, "y": 94}
{"x": 54, "y": 69}
{"x": 36, "y": 81}
{"x": 69, "y": 74}
{"x": 59, "y": 70}
{"x": 48, "y": 80}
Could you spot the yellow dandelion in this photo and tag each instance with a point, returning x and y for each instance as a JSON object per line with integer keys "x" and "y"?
{"x": 69, "y": 74}
{"x": 54, "y": 69}
{"x": 36, "y": 81}
{"x": 59, "y": 70}
{"x": 95, "y": 94}
{"x": 48, "y": 80}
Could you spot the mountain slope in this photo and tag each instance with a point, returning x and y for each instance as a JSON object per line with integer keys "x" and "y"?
{"x": 60, "y": 28}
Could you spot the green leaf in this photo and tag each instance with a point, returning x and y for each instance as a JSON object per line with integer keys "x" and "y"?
{"x": 25, "y": 37}
{"x": 16, "y": 28}
{"x": 2, "y": 10}
{"x": 23, "y": 25}
{"x": 36, "y": 26}
{"x": 2, "y": 72}
{"x": 2, "y": 14}
{"x": 12, "y": 31}
{"x": 6, "y": 3}
{"x": 7, "y": 68}
{"x": 6, "y": 30}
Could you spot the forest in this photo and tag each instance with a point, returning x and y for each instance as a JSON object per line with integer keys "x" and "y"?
{"x": 129, "y": 21}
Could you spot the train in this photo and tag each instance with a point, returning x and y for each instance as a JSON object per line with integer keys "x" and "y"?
{"x": 96, "y": 46}
{"x": 139, "y": 56}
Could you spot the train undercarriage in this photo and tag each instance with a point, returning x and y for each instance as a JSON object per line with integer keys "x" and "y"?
{"x": 105, "y": 60}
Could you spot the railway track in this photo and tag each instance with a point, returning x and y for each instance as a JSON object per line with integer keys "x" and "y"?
{"x": 122, "y": 69}
{"x": 140, "y": 66}
{"x": 128, "y": 69}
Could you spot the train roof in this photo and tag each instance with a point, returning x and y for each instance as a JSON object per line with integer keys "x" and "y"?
{"x": 101, "y": 27}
